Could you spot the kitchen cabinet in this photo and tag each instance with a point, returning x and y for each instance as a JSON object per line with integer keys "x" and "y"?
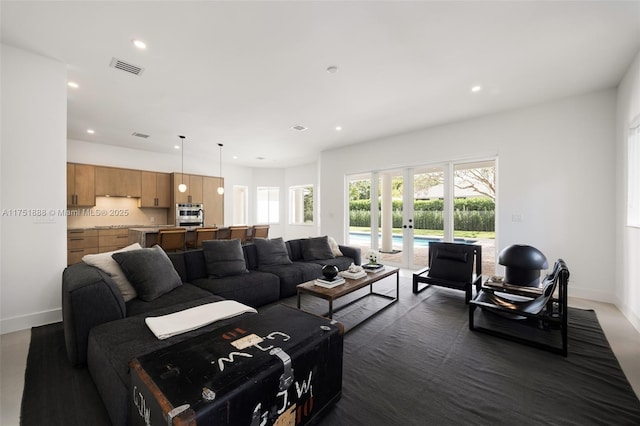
{"x": 115, "y": 182}
{"x": 193, "y": 194}
{"x": 112, "y": 239}
{"x": 155, "y": 189}
{"x": 80, "y": 185}
{"x": 212, "y": 201}
{"x": 81, "y": 242}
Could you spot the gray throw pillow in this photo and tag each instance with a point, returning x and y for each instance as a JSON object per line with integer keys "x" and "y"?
{"x": 451, "y": 266}
{"x": 149, "y": 270}
{"x": 224, "y": 258}
{"x": 272, "y": 251}
{"x": 316, "y": 248}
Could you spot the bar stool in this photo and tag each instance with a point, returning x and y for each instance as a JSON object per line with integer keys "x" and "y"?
{"x": 172, "y": 239}
{"x": 202, "y": 234}
{"x": 259, "y": 231}
{"x": 238, "y": 232}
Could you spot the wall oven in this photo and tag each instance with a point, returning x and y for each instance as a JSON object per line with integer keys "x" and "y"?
{"x": 189, "y": 214}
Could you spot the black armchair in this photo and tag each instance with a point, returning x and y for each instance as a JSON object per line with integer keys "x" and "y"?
{"x": 451, "y": 265}
{"x": 537, "y": 307}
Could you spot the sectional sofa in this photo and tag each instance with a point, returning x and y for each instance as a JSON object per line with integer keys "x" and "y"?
{"x": 253, "y": 274}
{"x": 104, "y": 318}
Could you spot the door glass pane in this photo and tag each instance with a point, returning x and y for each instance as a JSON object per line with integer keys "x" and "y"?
{"x": 390, "y": 189}
{"x": 428, "y": 212}
{"x": 474, "y": 209}
{"x": 360, "y": 213}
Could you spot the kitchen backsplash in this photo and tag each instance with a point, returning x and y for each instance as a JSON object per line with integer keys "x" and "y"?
{"x": 115, "y": 211}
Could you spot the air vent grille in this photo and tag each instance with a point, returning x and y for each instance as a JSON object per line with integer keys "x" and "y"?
{"x": 140, "y": 135}
{"x": 127, "y": 67}
{"x": 298, "y": 128}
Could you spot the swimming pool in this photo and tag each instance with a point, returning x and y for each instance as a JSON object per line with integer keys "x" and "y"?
{"x": 363, "y": 239}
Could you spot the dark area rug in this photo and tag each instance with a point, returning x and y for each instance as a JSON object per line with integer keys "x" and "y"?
{"x": 416, "y": 363}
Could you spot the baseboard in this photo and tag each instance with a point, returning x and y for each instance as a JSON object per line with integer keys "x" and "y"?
{"x": 24, "y": 322}
{"x": 630, "y": 315}
{"x": 598, "y": 296}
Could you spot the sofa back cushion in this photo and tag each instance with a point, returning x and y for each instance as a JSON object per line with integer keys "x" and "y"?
{"x": 295, "y": 250}
{"x": 250, "y": 256}
{"x": 316, "y": 248}
{"x": 224, "y": 258}
{"x": 149, "y": 270}
{"x": 271, "y": 252}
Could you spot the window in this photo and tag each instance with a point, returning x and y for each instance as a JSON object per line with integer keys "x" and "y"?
{"x": 268, "y": 205}
{"x": 633, "y": 175}
{"x": 301, "y": 205}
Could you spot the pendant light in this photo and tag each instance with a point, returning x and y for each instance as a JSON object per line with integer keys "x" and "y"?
{"x": 221, "y": 187}
{"x": 182, "y": 187}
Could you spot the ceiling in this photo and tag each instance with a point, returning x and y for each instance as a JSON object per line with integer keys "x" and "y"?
{"x": 243, "y": 73}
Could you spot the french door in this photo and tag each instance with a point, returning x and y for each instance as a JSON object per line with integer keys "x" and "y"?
{"x": 397, "y": 212}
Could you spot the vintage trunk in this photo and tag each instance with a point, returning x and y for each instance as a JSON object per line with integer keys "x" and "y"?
{"x": 279, "y": 367}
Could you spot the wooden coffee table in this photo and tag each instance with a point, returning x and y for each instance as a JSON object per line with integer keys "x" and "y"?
{"x": 349, "y": 287}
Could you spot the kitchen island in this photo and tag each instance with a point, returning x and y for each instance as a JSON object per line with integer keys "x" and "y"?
{"x": 148, "y": 236}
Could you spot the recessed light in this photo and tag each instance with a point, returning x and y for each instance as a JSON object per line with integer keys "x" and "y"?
{"x": 235, "y": 157}
{"x": 260, "y": 158}
{"x": 338, "y": 128}
{"x": 139, "y": 44}
{"x": 476, "y": 89}
{"x": 91, "y": 131}
{"x": 176, "y": 146}
{"x": 73, "y": 84}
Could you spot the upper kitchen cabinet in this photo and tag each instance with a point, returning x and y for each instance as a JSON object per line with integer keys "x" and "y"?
{"x": 156, "y": 189}
{"x": 193, "y": 194}
{"x": 81, "y": 185}
{"x": 115, "y": 182}
{"x": 213, "y": 202}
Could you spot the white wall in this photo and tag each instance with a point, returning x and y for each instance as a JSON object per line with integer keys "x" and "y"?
{"x": 33, "y": 151}
{"x": 627, "y": 266}
{"x": 556, "y": 168}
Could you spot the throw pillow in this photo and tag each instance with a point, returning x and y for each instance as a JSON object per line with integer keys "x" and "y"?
{"x": 451, "y": 266}
{"x": 334, "y": 247}
{"x": 224, "y": 258}
{"x": 316, "y": 248}
{"x": 105, "y": 262}
{"x": 150, "y": 271}
{"x": 272, "y": 251}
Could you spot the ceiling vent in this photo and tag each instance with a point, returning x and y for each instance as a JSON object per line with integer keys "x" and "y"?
{"x": 298, "y": 128}
{"x": 124, "y": 66}
{"x": 140, "y": 135}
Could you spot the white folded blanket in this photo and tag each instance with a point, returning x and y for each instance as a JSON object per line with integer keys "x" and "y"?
{"x": 190, "y": 319}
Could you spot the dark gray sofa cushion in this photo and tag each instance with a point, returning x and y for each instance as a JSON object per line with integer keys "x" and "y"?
{"x": 224, "y": 258}
{"x": 316, "y": 248}
{"x": 184, "y": 293}
{"x": 114, "y": 344}
{"x": 253, "y": 288}
{"x": 271, "y": 251}
{"x": 149, "y": 270}
{"x": 89, "y": 297}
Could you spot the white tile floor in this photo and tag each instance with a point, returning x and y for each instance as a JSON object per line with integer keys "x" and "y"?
{"x": 622, "y": 336}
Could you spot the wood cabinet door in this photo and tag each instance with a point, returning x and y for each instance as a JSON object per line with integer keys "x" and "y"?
{"x": 131, "y": 183}
{"x": 107, "y": 181}
{"x": 213, "y": 202}
{"x": 195, "y": 189}
{"x": 163, "y": 190}
{"x": 83, "y": 185}
{"x": 71, "y": 184}
{"x": 180, "y": 197}
{"x": 148, "y": 189}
